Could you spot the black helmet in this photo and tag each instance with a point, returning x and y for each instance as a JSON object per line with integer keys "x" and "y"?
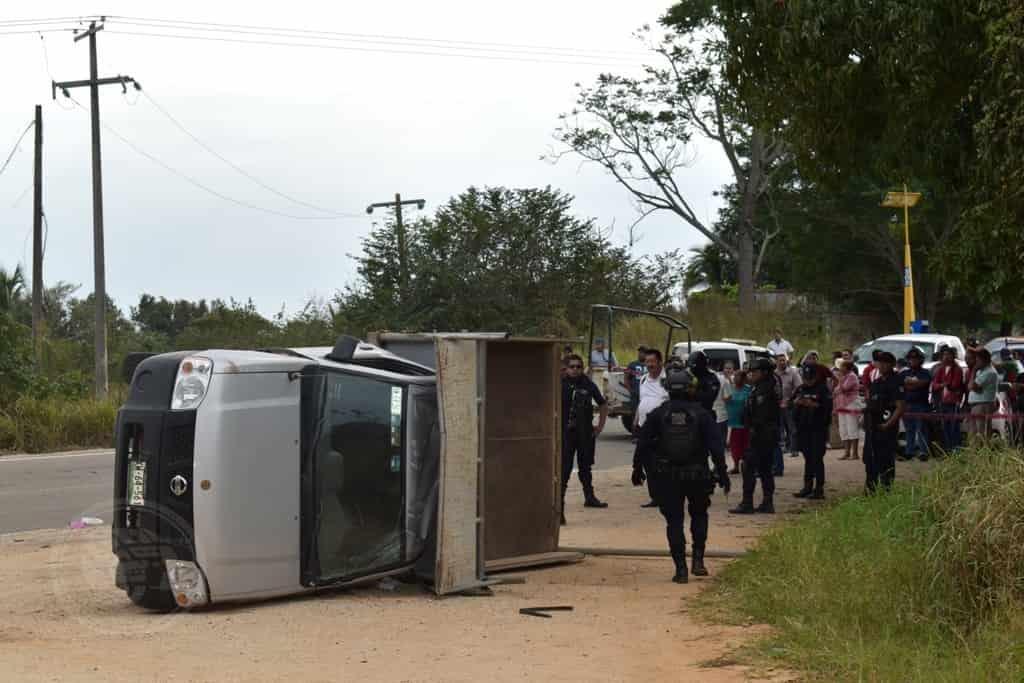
{"x": 678, "y": 380}
{"x": 698, "y": 360}
{"x": 762, "y": 364}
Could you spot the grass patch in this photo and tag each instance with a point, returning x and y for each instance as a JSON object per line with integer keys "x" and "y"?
{"x": 922, "y": 584}
{"x": 31, "y": 425}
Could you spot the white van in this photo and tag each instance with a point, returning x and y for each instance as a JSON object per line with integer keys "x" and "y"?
{"x": 739, "y": 351}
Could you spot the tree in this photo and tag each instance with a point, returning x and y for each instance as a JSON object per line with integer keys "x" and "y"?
{"x": 912, "y": 91}
{"x": 499, "y": 259}
{"x": 12, "y": 285}
{"x": 229, "y": 325}
{"x": 167, "y": 318}
{"x": 639, "y": 129}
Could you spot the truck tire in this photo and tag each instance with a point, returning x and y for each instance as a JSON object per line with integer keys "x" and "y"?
{"x": 152, "y": 599}
{"x": 627, "y": 422}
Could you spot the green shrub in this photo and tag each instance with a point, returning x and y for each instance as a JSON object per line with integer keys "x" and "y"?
{"x": 923, "y": 583}
{"x": 36, "y": 425}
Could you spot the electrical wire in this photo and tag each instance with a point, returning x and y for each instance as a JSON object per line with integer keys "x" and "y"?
{"x": 409, "y": 41}
{"x": 17, "y": 146}
{"x": 46, "y": 65}
{"x": 192, "y": 181}
{"x": 326, "y": 46}
{"x": 36, "y": 30}
{"x": 48, "y": 20}
{"x": 238, "y": 168}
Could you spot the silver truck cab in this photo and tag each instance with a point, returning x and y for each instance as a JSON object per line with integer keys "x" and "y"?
{"x": 253, "y": 474}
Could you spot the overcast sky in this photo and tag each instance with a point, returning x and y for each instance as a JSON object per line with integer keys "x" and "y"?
{"x": 337, "y": 128}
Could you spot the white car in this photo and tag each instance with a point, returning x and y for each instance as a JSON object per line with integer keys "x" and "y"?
{"x": 899, "y": 344}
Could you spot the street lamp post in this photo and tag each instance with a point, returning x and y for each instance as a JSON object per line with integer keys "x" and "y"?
{"x": 905, "y": 200}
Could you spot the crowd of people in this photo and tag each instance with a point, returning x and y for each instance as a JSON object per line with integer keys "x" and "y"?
{"x": 687, "y": 415}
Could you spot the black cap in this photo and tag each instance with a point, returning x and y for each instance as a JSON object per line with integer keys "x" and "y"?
{"x": 886, "y": 357}
{"x": 915, "y": 353}
{"x": 762, "y": 364}
{"x": 808, "y": 372}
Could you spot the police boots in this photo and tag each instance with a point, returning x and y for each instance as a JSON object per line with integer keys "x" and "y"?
{"x": 679, "y": 557}
{"x": 592, "y": 501}
{"x": 767, "y": 506}
{"x": 698, "y": 562}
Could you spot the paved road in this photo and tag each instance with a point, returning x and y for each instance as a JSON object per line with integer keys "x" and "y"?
{"x": 48, "y": 491}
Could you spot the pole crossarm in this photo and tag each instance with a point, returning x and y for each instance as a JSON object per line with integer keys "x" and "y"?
{"x": 67, "y": 85}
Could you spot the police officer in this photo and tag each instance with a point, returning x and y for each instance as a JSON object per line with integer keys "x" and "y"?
{"x": 708, "y": 384}
{"x": 885, "y": 407}
{"x": 761, "y": 416}
{"x": 579, "y": 435}
{"x": 679, "y": 435}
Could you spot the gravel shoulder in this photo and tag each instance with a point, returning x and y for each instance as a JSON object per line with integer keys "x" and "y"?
{"x": 63, "y": 619}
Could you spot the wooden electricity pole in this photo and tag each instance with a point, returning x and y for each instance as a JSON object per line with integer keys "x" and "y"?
{"x": 403, "y": 260}
{"x": 37, "y": 242}
{"x": 100, "y": 289}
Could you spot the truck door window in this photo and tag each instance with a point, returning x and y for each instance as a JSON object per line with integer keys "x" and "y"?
{"x": 359, "y": 476}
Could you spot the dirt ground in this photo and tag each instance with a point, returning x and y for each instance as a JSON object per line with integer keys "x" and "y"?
{"x": 61, "y": 618}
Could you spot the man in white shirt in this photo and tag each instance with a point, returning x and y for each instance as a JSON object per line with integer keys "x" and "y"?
{"x": 601, "y": 357}
{"x": 652, "y": 395}
{"x": 778, "y": 345}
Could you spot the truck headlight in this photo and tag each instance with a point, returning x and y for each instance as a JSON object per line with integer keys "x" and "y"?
{"x": 187, "y": 583}
{"x": 191, "y": 383}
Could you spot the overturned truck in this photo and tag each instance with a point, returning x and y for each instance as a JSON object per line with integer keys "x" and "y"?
{"x": 253, "y": 474}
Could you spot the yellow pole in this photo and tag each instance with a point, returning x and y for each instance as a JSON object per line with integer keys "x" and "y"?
{"x": 909, "y": 313}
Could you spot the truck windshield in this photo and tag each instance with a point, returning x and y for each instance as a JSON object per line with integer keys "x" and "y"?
{"x": 359, "y": 475}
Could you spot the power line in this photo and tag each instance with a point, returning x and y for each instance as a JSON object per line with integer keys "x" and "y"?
{"x": 46, "y": 65}
{"x": 36, "y": 30}
{"x": 247, "y": 28}
{"x": 238, "y": 168}
{"x": 427, "y": 53}
{"x": 184, "y": 176}
{"x": 17, "y": 146}
{"x": 47, "y": 20}
{"x": 243, "y": 29}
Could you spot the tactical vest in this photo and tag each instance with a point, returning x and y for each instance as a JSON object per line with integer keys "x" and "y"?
{"x": 581, "y": 411}
{"x": 680, "y": 444}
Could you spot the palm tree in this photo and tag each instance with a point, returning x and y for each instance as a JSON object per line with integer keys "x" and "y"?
{"x": 11, "y": 287}
{"x": 708, "y": 265}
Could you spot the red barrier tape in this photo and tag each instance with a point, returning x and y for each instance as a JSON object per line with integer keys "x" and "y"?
{"x": 939, "y": 417}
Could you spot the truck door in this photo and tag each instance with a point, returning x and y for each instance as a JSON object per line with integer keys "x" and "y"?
{"x": 354, "y": 483}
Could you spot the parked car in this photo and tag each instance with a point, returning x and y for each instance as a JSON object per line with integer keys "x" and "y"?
{"x": 899, "y": 344}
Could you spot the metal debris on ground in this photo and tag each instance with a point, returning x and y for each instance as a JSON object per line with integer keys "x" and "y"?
{"x": 540, "y": 611}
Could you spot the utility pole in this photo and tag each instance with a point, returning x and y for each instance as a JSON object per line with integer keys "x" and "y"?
{"x": 37, "y": 243}
{"x": 100, "y": 275}
{"x": 403, "y": 262}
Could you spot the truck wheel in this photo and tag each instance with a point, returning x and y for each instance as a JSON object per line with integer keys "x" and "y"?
{"x": 627, "y": 422}
{"x": 152, "y": 599}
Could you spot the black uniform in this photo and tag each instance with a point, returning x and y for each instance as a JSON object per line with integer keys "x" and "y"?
{"x": 812, "y": 425}
{"x": 884, "y": 397}
{"x": 678, "y": 437}
{"x": 761, "y": 415}
{"x": 708, "y": 387}
{"x": 578, "y": 440}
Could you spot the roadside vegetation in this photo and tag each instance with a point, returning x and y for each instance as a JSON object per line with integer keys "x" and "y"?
{"x": 923, "y": 584}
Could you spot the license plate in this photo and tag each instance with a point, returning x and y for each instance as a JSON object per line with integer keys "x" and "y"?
{"x": 136, "y": 483}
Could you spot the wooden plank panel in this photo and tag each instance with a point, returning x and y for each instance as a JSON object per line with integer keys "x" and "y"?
{"x": 522, "y": 454}
{"x": 457, "y": 388}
